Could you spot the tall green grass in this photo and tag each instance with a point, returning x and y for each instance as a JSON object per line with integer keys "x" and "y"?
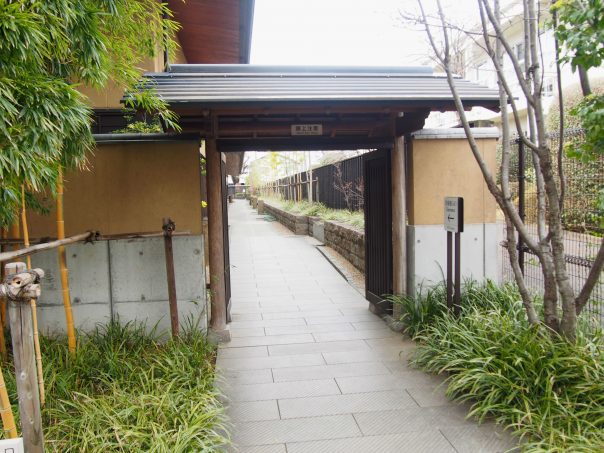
{"x": 548, "y": 391}
{"x": 126, "y": 391}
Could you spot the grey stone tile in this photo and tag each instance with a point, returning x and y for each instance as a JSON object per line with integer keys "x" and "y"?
{"x": 474, "y": 439}
{"x": 342, "y": 318}
{"x": 281, "y": 308}
{"x": 369, "y": 325}
{"x": 329, "y": 371}
{"x": 278, "y": 390}
{"x": 235, "y": 377}
{"x": 269, "y": 323}
{"x": 309, "y": 348}
{"x": 372, "y": 355}
{"x": 412, "y": 419}
{"x": 395, "y": 341}
{"x": 342, "y": 327}
{"x": 248, "y": 411}
{"x": 425, "y": 442}
{"x": 304, "y": 314}
{"x": 269, "y": 340}
{"x": 234, "y": 353}
{"x": 247, "y": 317}
{"x": 430, "y": 396}
{"x": 355, "y": 335}
{"x": 245, "y": 332}
{"x": 275, "y": 448}
{"x": 296, "y": 430}
{"x": 258, "y": 363}
{"x": 344, "y": 404}
{"x": 387, "y": 382}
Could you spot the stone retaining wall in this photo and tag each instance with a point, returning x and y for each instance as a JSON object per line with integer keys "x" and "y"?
{"x": 347, "y": 241}
{"x": 296, "y": 223}
{"x": 344, "y": 239}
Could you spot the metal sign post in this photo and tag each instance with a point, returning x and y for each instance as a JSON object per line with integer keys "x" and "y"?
{"x": 454, "y": 224}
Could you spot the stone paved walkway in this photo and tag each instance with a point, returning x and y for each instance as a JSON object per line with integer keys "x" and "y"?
{"x": 309, "y": 369}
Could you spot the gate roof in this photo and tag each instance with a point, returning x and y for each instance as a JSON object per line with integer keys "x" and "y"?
{"x": 245, "y": 85}
{"x": 249, "y": 107}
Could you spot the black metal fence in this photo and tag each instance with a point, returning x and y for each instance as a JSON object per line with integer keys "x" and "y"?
{"x": 582, "y": 218}
{"x": 337, "y": 186}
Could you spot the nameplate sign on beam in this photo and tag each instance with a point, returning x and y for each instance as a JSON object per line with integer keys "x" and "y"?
{"x": 307, "y": 129}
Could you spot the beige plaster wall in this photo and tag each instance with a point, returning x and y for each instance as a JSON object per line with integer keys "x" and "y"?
{"x": 446, "y": 167}
{"x": 129, "y": 188}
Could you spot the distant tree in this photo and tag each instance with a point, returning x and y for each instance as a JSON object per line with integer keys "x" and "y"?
{"x": 47, "y": 49}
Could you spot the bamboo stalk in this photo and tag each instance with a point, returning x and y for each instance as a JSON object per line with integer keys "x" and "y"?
{"x": 3, "y": 320}
{"x": 32, "y": 303}
{"x": 71, "y": 338}
{"x": 6, "y": 411}
{"x": 8, "y": 256}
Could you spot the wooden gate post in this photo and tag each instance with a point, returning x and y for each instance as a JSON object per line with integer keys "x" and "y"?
{"x": 216, "y": 235}
{"x": 20, "y": 287}
{"x": 399, "y": 221}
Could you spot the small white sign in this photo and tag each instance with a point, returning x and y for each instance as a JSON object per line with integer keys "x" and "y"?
{"x": 307, "y": 129}
{"x": 11, "y": 445}
{"x": 454, "y": 214}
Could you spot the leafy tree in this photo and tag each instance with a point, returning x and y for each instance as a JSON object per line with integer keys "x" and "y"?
{"x": 562, "y": 302}
{"x": 47, "y": 49}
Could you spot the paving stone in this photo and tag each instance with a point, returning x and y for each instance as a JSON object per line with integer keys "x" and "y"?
{"x": 234, "y": 353}
{"x": 341, "y": 327}
{"x": 369, "y": 325}
{"x": 275, "y": 448}
{"x": 356, "y": 335}
{"x": 248, "y": 411}
{"x": 251, "y": 332}
{"x": 342, "y": 318}
{"x": 304, "y": 314}
{"x": 344, "y": 404}
{"x": 278, "y": 390}
{"x": 309, "y": 348}
{"x": 236, "y": 377}
{"x": 296, "y": 430}
{"x": 411, "y": 419}
{"x": 329, "y": 371}
{"x": 269, "y": 323}
{"x": 370, "y": 355}
{"x": 268, "y": 340}
{"x": 429, "y": 396}
{"x": 247, "y": 317}
{"x": 416, "y": 442}
{"x": 282, "y": 361}
{"x": 387, "y": 382}
{"x": 474, "y": 439}
{"x": 281, "y": 308}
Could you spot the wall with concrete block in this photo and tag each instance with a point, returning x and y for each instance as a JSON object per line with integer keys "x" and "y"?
{"x": 125, "y": 280}
{"x": 441, "y": 164}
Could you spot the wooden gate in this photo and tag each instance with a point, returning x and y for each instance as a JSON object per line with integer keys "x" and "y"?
{"x": 225, "y": 232}
{"x": 378, "y": 228}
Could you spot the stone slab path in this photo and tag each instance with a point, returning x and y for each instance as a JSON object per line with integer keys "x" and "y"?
{"x": 309, "y": 369}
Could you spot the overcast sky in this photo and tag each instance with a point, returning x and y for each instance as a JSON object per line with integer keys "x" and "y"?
{"x": 343, "y": 32}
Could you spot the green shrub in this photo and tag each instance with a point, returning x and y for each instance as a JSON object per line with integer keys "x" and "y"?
{"x": 125, "y": 391}
{"x": 548, "y": 391}
{"x": 315, "y": 209}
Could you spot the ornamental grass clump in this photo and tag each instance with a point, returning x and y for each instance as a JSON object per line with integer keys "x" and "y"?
{"x": 127, "y": 391}
{"x": 549, "y": 391}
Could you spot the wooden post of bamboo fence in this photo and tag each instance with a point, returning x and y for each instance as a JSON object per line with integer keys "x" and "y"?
{"x": 169, "y": 227}
{"x": 20, "y": 289}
